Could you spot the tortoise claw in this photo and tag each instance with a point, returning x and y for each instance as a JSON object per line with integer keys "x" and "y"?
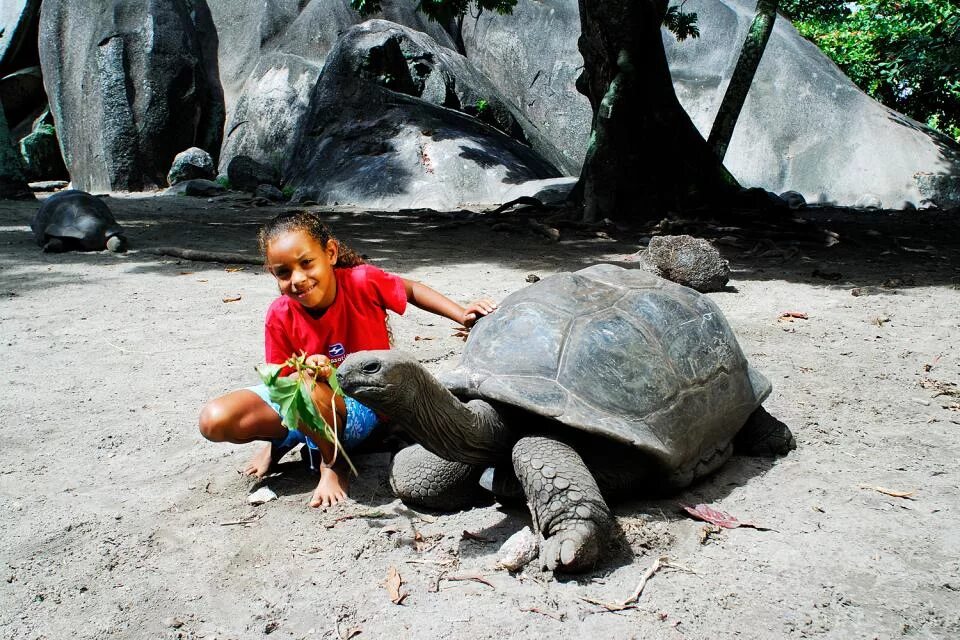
{"x": 572, "y": 550}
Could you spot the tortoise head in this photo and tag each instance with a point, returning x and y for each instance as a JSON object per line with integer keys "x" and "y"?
{"x": 391, "y": 382}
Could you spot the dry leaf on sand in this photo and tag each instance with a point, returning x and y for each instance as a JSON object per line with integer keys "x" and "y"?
{"x": 393, "y": 584}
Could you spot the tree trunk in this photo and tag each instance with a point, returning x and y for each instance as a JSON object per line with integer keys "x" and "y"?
{"x": 645, "y": 158}
{"x": 753, "y": 47}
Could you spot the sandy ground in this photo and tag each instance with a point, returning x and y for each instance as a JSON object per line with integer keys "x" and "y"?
{"x": 117, "y": 520}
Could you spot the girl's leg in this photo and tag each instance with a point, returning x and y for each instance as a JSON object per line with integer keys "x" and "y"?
{"x": 335, "y": 478}
{"x": 240, "y": 417}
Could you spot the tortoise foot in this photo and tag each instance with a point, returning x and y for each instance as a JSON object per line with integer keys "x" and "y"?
{"x": 572, "y": 550}
{"x": 565, "y": 503}
{"x": 424, "y": 479}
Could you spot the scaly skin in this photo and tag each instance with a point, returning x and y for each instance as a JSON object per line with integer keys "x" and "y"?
{"x": 396, "y": 385}
{"x": 422, "y": 478}
{"x": 565, "y": 503}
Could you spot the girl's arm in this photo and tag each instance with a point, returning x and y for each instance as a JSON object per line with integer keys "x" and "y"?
{"x": 422, "y": 296}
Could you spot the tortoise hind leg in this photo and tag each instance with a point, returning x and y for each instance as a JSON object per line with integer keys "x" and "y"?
{"x": 764, "y": 435}
{"x": 564, "y": 501}
{"x": 422, "y": 478}
{"x": 54, "y": 245}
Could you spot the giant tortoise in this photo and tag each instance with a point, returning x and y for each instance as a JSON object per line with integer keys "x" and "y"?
{"x": 75, "y": 220}
{"x": 602, "y": 381}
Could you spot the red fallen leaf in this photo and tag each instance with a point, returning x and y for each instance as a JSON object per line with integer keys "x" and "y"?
{"x": 790, "y": 315}
{"x": 719, "y": 518}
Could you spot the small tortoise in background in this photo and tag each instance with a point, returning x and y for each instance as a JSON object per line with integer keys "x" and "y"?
{"x": 76, "y": 221}
{"x": 601, "y": 382}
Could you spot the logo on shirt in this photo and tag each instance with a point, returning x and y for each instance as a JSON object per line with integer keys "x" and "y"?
{"x": 337, "y": 353}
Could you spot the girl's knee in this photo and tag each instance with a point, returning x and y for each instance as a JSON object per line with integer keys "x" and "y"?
{"x": 214, "y": 421}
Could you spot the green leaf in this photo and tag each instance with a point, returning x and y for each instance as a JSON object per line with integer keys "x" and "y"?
{"x": 335, "y": 382}
{"x": 294, "y": 394}
{"x": 309, "y": 414}
{"x": 269, "y": 373}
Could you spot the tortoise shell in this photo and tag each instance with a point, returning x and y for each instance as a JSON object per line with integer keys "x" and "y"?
{"x": 83, "y": 220}
{"x": 618, "y": 353}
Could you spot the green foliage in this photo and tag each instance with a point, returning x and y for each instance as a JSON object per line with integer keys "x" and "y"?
{"x": 224, "y": 181}
{"x": 481, "y": 106}
{"x": 294, "y": 395}
{"x": 681, "y": 24}
{"x": 442, "y": 10}
{"x": 904, "y": 53}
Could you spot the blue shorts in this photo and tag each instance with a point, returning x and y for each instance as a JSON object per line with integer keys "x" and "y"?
{"x": 361, "y": 420}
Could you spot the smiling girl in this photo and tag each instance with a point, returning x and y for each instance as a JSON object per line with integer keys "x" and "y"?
{"x": 331, "y": 305}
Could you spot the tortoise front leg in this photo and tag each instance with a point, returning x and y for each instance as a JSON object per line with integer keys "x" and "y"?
{"x": 425, "y": 479}
{"x": 564, "y": 501}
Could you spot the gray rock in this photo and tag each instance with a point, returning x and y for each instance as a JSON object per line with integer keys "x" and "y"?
{"x": 804, "y": 127}
{"x": 276, "y": 50}
{"x": 44, "y": 186}
{"x": 246, "y": 174}
{"x": 269, "y": 192}
{"x": 373, "y": 137}
{"x": 794, "y": 199}
{"x": 549, "y": 191}
{"x": 868, "y": 201}
{"x": 17, "y": 17}
{"x": 92, "y": 54}
{"x": 939, "y": 188}
{"x": 198, "y": 188}
{"x": 758, "y": 198}
{"x": 519, "y": 550}
{"x": 692, "y": 262}
{"x": 192, "y": 164}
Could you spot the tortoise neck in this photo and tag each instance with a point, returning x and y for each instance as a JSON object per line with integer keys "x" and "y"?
{"x": 473, "y": 433}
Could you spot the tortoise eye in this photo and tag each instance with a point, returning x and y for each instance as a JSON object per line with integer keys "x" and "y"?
{"x": 370, "y": 367}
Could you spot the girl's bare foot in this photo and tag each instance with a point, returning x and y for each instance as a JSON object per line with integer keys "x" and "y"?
{"x": 260, "y": 463}
{"x": 332, "y": 489}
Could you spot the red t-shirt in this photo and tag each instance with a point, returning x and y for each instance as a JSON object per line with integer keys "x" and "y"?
{"x": 356, "y": 321}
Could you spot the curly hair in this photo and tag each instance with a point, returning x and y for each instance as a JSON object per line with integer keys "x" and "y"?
{"x": 311, "y": 224}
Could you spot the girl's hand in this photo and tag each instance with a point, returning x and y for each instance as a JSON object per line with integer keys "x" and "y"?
{"x": 476, "y": 310}
{"x": 322, "y": 364}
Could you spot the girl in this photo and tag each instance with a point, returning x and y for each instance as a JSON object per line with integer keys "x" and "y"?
{"x": 331, "y": 305}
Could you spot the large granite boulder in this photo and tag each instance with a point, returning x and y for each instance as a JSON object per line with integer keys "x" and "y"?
{"x": 382, "y": 129}
{"x": 13, "y": 184}
{"x": 272, "y": 54}
{"x": 18, "y": 25}
{"x": 246, "y": 174}
{"x": 805, "y": 126}
{"x": 131, "y": 83}
{"x": 23, "y": 98}
{"x": 532, "y": 57}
